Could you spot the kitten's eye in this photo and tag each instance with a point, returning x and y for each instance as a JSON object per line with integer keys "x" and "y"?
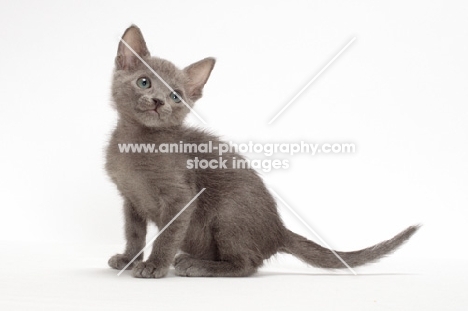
{"x": 144, "y": 83}
{"x": 175, "y": 97}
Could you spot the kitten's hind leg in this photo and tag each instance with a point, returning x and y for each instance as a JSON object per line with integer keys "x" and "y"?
{"x": 186, "y": 265}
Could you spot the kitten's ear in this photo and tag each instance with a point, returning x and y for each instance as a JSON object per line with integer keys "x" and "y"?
{"x": 126, "y": 59}
{"x": 198, "y": 74}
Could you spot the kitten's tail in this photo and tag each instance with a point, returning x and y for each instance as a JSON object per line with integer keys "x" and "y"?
{"x": 322, "y": 257}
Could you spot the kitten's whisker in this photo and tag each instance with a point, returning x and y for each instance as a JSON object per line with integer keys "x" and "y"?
{"x": 312, "y": 230}
{"x": 160, "y": 232}
{"x": 161, "y": 79}
{"x": 311, "y": 81}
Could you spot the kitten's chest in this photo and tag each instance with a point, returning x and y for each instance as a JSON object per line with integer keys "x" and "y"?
{"x": 143, "y": 170}
{"x": 144, "y": 177}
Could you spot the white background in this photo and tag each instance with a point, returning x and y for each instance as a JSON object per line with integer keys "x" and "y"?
{"x": 399, "y": 93}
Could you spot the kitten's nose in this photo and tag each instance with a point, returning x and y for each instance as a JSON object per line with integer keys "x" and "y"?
{"x": 157, "y": 102}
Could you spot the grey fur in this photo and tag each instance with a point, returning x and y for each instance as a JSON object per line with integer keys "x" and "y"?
{"x": 234, "y": 225}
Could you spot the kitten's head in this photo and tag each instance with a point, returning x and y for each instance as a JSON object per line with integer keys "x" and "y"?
{"x": 141, "y": 96}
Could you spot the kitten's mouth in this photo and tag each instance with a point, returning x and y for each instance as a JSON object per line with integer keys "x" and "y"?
{"x": 150, "y": 106}
{"x": 154, "y": 112}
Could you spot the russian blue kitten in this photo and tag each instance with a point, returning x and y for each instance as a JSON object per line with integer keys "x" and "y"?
{"x": 233, "y": 226}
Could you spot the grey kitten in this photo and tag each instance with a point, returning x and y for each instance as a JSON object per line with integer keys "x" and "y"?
{"x": 234, "y": 225}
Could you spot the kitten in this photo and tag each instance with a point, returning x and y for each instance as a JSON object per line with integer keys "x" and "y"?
{"x": 233, "y": 226}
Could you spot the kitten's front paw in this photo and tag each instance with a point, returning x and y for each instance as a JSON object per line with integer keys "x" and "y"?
{"x": 147, "y": 269}
{"x": 184, "y": 266}
{"x": 119, "y": 262}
